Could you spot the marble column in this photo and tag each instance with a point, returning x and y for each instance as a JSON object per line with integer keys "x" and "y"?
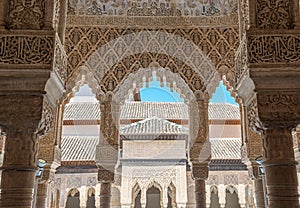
{"x": 254, "y": 173}
{"x": 106, "y": 178}
{"x": 164, "y": 201}
{"x": 222, "y": 195}
{"x": 200, "y": 174}
{"x": 259, "y": 193}
{"x": 19, "y": 120}
{"x": 107, "y": 149}
{"x": 280, "y": 168}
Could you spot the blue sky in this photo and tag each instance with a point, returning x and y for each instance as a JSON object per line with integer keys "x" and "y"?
{"x": 155, "y": 93}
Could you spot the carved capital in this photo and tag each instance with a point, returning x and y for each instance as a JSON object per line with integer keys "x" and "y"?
{"x": 22, "y": 113}
{"x": 277, "y": 108}
{"x": 200, "y": 171}
{"x": 105, "y": 175}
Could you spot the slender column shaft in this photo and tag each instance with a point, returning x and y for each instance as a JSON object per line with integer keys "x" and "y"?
{"x": 259, "y": 193}
{"x": 280, "y": 169}
{"x": 105, "y": 194}
{"x": 41, "y": 195}
{"x": 200, "y": 193}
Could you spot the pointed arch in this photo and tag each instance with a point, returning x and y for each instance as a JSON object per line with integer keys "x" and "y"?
{"x": 140, "y": 48}
{"x": 135, "y": 81}
{"x": 73, "y": 199}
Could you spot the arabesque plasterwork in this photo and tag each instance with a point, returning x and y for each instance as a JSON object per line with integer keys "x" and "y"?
{"x": 153, "y": 8}
{"x": 100, "y": 49}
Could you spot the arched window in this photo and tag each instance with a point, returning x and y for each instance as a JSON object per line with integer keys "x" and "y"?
{"x": 232, "y": 199}
{"x": 91, "y": 198}
{"x": 153, "y": 197}
{"x": 73, "y": 199}
{"x": 214, "y": 197}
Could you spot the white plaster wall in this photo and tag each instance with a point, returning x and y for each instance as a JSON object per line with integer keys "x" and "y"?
{"x": 152, "y": 149}
{"x": 224, "y": 131}
{"x": 81, "y": 130}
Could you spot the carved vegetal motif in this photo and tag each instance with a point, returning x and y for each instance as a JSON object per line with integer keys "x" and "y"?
{"x": 193, "y": 47}
{"x": 165, "y": 22}
{"x": 117, "y": 74}
{"x": 56, "y": 14}
{"x": 46, "y": 124}
{"x": 280, "y": 109}
{"x": 152, "y": 8}
{"x": 276, "y": 14}
{"x": 109, "y": 129}
{"x": 241, "y": 60}
{"x": 27, "y": 14}
{"x": 26, "y": 50}
{"x": 254, "y": 145}
{"x": 60, "y": 61}
{"x": 252, "y": 115}
{"x": 274, "y": 49}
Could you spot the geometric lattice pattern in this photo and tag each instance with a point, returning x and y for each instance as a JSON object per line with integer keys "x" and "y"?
{"x": 192, "y": 50}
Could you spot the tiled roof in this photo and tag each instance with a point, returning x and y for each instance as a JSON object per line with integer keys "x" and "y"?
{"x": 223, "y": 111}
{"x": 153, "y": 125}
{"x": 83, "y": 148}
{"x": 78, "y": 148}
{"x": 225, "y": 148}
{"x": 166, "y": 110}
{"x": 143, "y": 110}
{"x": 82, "y": 111}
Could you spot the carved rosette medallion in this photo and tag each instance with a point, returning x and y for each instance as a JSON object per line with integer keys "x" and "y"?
{"x": 27, "y": 14}
{"x": 275, "y": 14}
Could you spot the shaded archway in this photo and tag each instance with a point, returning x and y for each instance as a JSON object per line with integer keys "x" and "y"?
{"x": 153, "y": 197}
{"x": 232, "y": 198}
{"x": 214, "y": 197}
{"x": 73, "y": 200}
{"x": 91, "y": 198}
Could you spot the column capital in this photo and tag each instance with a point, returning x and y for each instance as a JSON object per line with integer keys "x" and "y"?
{"x": 279, "y": 108}
{"x": 200, "y": 171}
{"x": 105, "y": 176}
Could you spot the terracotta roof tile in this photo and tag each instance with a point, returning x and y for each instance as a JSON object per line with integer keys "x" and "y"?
{"x": 83, "y": 148}
{"x": 78, "y": 148}
{"x": 82, "y": 111}
{"x": 143, "y": 110}
{"x": 153, "y": 125}
{"x": 226, "y": 148}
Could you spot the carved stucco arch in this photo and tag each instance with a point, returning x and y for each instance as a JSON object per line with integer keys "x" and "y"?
{"x": 144, "y": 75}
{"x": 141, "y": 44}
{"x": 83, "y": 76}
